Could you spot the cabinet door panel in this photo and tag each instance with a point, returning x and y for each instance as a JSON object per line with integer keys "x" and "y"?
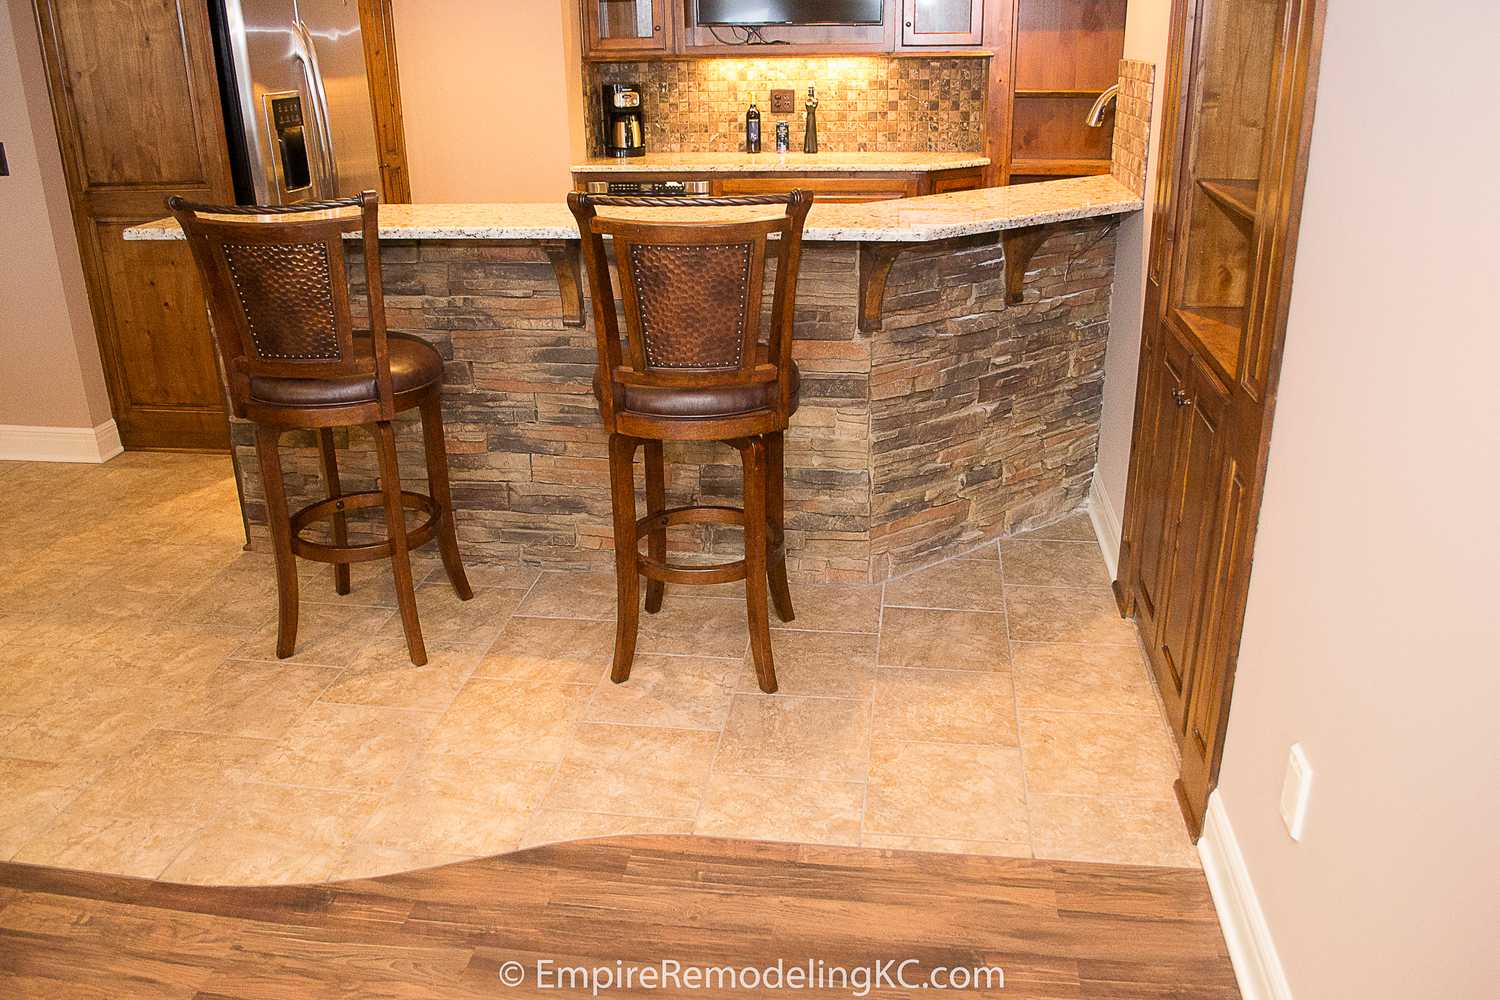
{"x": 1195, "y": 489}
{"x": 942, "y": 22}
{"x": 1208, "y": 690}
{"x": 1163, "y": 416}
{"x": 628, "y": 25}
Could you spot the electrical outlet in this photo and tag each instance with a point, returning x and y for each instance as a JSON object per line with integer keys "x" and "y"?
{"x": 783, "y": 102}
{"x": 1295, "y": 789}
{"x": 661, "y": 90}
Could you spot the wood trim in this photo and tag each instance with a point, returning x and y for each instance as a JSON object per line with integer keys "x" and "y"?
{"x": 1000, "y": 95}
{"x": 378, "y": 26}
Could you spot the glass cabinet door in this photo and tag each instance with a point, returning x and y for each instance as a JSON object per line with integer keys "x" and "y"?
{"x": 1228, "y": 105}
{"x": 942, "y": 22}
{"x": 628, "y": 25}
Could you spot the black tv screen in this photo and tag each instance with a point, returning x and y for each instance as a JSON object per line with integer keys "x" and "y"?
{"x": 757, "y": 12}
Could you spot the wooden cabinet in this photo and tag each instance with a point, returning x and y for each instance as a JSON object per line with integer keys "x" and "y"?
{"x": 838, "y": 190}
{"x": 136, "y": 101}
{"x": 835, "y": 188}
{"x": 628, "y": 27}
{"x": 1067, "y": 53}
{"x": 1238, "y": 115}
{"x": 942, "y": 22}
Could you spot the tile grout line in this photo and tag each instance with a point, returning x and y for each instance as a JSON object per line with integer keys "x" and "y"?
{"x": 864, "y": 805}
{"x": 1015, "y": 705}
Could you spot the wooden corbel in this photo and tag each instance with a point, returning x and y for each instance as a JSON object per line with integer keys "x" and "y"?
{"x": 875, "y": 260}
{"x": 1020, "y": 246}
{"x": 563, "y": 256}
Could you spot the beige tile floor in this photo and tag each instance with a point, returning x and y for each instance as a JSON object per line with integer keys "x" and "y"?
{"x": 991, "y": 704}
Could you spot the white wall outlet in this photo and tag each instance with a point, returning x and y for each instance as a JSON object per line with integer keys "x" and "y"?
{"x": 1295, "y": 789}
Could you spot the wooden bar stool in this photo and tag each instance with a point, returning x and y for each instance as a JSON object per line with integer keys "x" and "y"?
{"x": 696, "y": 371}
{"x": 278, "y": 293}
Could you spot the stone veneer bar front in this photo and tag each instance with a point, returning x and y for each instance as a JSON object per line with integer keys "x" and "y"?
{"x": 962, "y": 419}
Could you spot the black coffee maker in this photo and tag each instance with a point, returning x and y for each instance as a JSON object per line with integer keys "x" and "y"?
{"x": 624, "y": 122}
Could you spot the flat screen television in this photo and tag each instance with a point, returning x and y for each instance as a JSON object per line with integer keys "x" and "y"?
{"x": 751, "y": 13}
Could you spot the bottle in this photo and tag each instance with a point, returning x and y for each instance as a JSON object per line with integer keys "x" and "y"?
{"x": 752, "y": 130}
{"x": 810, "y": 137}
{"x": 783, "y": 137}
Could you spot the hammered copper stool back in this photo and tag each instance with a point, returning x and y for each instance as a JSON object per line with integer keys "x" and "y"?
{"x": 693, "y": 369}
{"x": 278, "y": 293}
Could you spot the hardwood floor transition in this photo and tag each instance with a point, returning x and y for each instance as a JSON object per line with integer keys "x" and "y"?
{"x": 1057, "y": 929}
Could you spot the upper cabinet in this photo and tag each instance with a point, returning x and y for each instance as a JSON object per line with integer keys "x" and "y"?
{"x": 944, "y": 23}
{"x": 628, "y": 27}
{"x": 627, "y": 30}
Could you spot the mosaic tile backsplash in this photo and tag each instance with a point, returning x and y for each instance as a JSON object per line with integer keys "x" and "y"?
{"x": 865, "y": 103}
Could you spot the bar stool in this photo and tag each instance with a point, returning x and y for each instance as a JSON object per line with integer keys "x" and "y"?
{"x": 278, "y": 294}
{"x": 695, "y": 371}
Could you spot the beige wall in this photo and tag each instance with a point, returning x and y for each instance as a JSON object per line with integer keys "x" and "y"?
{"x": 1146, "y": 26}
{"x": 1371, "y": 634}
{"x": 50, "y": 375}
{"x": 491, "y": 97}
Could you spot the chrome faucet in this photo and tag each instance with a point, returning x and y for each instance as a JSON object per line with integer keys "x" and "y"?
{"x": 1096, "y": 113}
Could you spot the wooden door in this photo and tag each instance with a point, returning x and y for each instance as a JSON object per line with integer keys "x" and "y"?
{"x": 942, "y": 22}
{"x": 136, "y": 101}
{"x": 627, "y": 26}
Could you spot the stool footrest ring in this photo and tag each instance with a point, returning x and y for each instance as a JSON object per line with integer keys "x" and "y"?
{"x": 326, "y": 552}
{"x": 696, "y": 574}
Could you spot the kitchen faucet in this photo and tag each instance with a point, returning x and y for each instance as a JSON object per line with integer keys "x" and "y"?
{"x": 1096, "y": 113}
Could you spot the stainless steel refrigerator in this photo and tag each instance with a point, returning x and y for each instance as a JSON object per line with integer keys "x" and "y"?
{"x": 296, "y": 99}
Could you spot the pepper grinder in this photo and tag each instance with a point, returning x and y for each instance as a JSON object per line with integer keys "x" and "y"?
{"x": 810, "y": 139}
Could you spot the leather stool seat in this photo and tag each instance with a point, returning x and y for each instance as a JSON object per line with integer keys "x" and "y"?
{"x": 415, "y": 365}
{"x": 698, "y": 403}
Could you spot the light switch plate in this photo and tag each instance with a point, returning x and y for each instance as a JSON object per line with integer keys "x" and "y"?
{"x": 1295, "y": 789}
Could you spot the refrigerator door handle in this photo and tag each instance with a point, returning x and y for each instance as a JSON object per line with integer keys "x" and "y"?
{"x": 308, "y": 56}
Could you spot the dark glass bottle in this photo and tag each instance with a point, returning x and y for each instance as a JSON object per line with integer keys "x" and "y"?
{"x": 752, "y": 130}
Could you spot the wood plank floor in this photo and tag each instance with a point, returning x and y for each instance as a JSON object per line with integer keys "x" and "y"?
{"x": 1056, "y": 929}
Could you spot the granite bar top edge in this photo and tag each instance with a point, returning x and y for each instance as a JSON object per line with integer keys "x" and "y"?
{"x": 906, "y": 220}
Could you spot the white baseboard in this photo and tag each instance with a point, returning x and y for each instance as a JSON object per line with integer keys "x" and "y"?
{"x": 1256, "y": 964}
{"x": 1106, "y": 527}
{"x": 20, "y": 443}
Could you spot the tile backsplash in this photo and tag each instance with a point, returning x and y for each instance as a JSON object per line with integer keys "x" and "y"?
{"x": 1133, "y": 124}
{"x": 865, "y": 103}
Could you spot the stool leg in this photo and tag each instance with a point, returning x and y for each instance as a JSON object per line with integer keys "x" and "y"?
{"x": 267, "y": 444}
{"x": 395, "y": 527}
{"x": 437, "y": 482}
{"x": 656, "y": 502}
{"x": 781, "y": 593}
{"x": 330, "y": 460}
{"x": 627, "y": 570}
{"x": 753, "y": 456}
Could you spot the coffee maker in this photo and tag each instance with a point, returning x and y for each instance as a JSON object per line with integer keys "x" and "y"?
{"x": 624, "y": 123}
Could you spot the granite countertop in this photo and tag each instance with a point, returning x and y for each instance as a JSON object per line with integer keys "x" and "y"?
{"x": 905, "y": 220}
{"x": 773, "y": 162}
